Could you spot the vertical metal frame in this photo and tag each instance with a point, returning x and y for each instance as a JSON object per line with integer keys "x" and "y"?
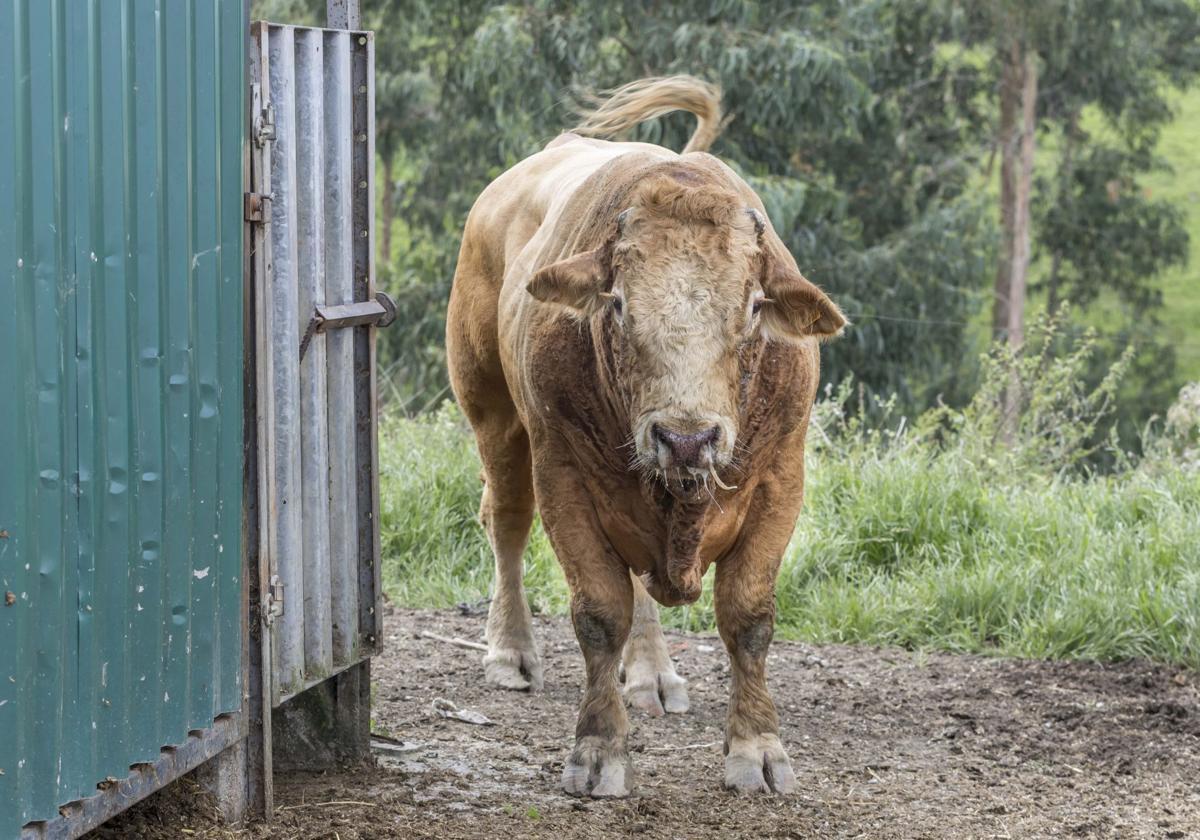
{"x": 260, "y": 533}
{"x": 367, "y": 394}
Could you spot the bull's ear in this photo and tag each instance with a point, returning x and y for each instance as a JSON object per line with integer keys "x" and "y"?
{"x": 578, "y": 282}
{"x": 795, "y": 308}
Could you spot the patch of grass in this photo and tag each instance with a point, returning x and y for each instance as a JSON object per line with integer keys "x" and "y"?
{"x": 925, "y": 539}
{"x": 435, "y": 551}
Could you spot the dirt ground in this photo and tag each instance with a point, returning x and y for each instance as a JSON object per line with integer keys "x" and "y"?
{"x": 885, "y": 743}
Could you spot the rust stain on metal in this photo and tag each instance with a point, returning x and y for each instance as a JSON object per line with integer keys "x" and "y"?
{"x": 3, "y": 534}
{"x": 9, "y": 599}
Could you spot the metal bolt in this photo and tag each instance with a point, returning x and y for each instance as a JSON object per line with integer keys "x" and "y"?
{"x": 362, "y": 138}
{"x": 362, "y": 185}
{"x": 362, "y": 39}
{"x": 362, "y": 88}
{"x": 364, "y": 234}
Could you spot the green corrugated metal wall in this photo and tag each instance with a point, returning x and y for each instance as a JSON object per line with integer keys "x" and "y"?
{"x": 121, "y": 126}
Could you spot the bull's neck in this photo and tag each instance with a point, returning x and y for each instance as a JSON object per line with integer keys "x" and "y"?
{"x": 615, "y": 399}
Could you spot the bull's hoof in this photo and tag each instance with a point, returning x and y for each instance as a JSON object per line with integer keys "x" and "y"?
{"x": 597, "y": 769}
{"x": 758, "y": 765}
{"x": 513, "y": 669}
{"x": 657, "y": 693}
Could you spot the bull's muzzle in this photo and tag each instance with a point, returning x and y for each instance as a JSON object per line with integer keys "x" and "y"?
{"x": 686, "y": 450}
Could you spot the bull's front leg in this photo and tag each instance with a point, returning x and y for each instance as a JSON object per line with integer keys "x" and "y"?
{"x": 601, "y": 612}
{"x": 755, "y": 760}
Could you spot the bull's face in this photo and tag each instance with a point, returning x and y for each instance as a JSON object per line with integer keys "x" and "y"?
{"x": 683, "y": 302}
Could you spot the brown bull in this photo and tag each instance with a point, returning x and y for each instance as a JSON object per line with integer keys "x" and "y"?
{"x": 637, "y": 354}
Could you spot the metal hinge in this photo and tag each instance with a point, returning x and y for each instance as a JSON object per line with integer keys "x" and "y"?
{"x": 264, "y": 131}
{"x": 255, "y": 206}
{"x": 274, "y": 599}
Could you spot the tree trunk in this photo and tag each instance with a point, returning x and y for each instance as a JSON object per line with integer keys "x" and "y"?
{"x": 1066, "y": 201}
{"x": 388, "y": 211}
{"x": 1018, "y": 123}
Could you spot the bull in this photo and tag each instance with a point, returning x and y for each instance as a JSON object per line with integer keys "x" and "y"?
{"x": 637, "y": 354}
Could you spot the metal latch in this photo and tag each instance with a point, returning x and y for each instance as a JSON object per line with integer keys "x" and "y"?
{"x": 380, "y": 312}
{"x": 255, "y": 206}
{"x": 274, "y": 599}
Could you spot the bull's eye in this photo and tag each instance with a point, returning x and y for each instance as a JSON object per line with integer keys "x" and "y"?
{"x": 756, "y": 304}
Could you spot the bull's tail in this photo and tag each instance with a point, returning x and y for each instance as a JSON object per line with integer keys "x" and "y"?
{"x": 646, "y": 99}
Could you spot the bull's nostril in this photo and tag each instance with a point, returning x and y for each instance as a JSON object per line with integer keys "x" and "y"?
{"x": 660, "y": 435}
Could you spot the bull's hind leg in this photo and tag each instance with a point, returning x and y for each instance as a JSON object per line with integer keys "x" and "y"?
{"x": 506, "y": 510}
{"x": 651, "y": 683}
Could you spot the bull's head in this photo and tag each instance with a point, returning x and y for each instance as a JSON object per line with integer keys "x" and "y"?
{"x": 690, "y": 280}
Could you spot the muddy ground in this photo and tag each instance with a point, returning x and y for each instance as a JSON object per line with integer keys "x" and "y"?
{"x": 885, "y": 743}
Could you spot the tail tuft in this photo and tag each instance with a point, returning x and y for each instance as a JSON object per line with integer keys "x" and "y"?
{"x": 646, "y": 99}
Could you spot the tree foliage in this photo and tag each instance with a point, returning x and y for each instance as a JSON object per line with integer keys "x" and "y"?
{"x": 858, "y": 129}
{"x": 867, "y": 127}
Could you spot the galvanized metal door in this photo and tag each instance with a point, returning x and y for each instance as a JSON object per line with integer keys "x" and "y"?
{"x": 121, "y": 607}
{"x": 312, "y": 196}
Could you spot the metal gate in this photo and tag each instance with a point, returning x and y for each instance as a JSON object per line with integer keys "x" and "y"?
{"x": 311, "y": 200}
{"x": 121, "y": 581}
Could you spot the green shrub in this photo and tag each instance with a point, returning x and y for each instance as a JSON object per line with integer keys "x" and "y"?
{"x": 950, "y": 532}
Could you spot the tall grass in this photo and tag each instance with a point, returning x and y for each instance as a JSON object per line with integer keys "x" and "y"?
{"x": 954, "y": 532}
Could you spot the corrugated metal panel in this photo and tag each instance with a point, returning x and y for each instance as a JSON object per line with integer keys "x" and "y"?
{"x": 318, "y": 409}
{"x": 121, "y": 129}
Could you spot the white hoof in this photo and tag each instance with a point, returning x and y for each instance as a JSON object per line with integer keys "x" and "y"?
{"x": 657, "y": 693}
{"x": 598, "y": 770}
{"x": 515, "y": 670}
{"x": 758, "y": 765}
